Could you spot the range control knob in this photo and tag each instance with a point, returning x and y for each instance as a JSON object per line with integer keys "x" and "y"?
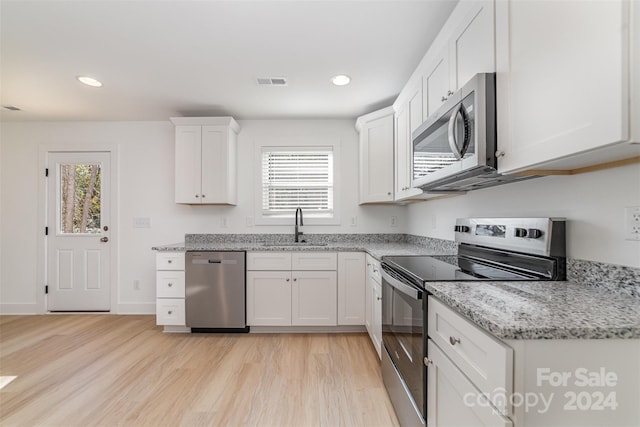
{"x": 520, "y": 232}
{"x": 462, "y": 228}
{"x": 534, "y": 233}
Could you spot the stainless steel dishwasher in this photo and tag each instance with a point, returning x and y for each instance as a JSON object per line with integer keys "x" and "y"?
{"x": 215, "y": 289}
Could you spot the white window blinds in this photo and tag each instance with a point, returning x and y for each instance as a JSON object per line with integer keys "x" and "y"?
{"x": 293, "y": 178}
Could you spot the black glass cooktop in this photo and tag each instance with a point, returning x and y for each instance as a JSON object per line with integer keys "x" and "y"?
{"x": 444, "y": 268}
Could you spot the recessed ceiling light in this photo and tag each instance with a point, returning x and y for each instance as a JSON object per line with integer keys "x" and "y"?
{"x": 89, "y": 81}
{"x": 340, "y": 80}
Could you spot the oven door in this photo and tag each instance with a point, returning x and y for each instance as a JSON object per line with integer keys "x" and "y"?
{"x": 403, "y": 337}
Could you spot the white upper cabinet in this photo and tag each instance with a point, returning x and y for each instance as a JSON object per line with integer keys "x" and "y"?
{"x": 376, "y": 156}
{"x": 472, "y": 46}
{"x": 205, "y": 160}
{"x": 464, "y": 48}
{"x": 435, "y": 84}
{"x": 565, "y": 85}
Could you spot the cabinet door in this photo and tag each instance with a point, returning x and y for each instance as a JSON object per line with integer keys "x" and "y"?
{"x": 452, "y": 400}
{"x": 368, "y": 308}
{"x": 435, "y": 84}
{"x": 403, "y": 152}
{"x": 561, "y": 89}
{"x": 218, "y": 163}
{"x": 376, "y": 322}
{"x": 351, "y": 288}
{"x": 269, "y": 298}
{"x": 376, "y": 160}
{"x": 472, "y": 46}
{"x": 314, "y": 295}
{"x": 188, "y": 165}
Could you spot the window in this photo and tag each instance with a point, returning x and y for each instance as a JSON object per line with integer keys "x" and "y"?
{"x": 293, "y": 177}
{"x": 297, "y": 172}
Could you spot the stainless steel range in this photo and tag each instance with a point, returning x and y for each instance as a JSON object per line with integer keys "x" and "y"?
{"x": 497, "y": 249}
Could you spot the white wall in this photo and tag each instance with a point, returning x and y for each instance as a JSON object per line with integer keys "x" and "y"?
{"x": 593, "y": 203}
{"x": 145, "y": 189}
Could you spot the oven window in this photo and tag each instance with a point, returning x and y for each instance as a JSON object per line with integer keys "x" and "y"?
{"x": 402, "y": 335}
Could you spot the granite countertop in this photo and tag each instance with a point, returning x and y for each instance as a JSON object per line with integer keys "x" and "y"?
{"x": 543, "y": 310}
{"x": 584, "y": 307}
{"x": 376, "y": 250}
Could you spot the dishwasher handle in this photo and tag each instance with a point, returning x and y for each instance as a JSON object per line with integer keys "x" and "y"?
{"x": 214, "y": 261}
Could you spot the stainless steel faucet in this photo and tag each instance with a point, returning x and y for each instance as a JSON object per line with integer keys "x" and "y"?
{"x": 298, "y": 233}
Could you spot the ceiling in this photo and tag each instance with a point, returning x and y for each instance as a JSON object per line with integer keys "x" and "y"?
{"x": 161, "y": 59}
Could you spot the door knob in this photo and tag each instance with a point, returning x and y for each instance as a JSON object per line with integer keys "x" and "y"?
{"x": 104, "y": 239}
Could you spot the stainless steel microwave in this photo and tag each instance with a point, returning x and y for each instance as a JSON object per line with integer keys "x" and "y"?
{"x": 455, "y": 149}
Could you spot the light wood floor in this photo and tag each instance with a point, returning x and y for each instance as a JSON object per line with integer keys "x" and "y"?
{"x": 122, "y": 370}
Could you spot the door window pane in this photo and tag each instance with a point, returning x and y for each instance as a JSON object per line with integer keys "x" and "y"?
{"x": 80, "y": 198}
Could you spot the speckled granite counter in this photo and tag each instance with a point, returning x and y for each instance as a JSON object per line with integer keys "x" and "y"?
{"x": 537, "y": 310}
{"x": 588, "y": 306}
{"x": 377, "y": 245}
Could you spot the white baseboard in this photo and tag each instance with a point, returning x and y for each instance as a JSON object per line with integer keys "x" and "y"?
{"x": 135, "y": 308}
{"x": 306, "y": 329}
{"x": 20, "y": 309}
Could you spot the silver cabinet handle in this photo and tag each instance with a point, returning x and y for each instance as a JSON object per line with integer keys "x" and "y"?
{"x": 197, "y": 196}
{"x": 105, "y": 239}
{"x": 203, "y": 196}
{"x": 287, "y": 279}
{"x": 169, "y": 261}
{"x": 499, "y": 154}
{"x": 449, "y": 92}
{"x": 170, "y": 312}
{"x": 379, "y": 298}
{"x": 427, "y": 361}
{"x": 170, "y": 284}
{"x": 454, "y": 340}
{"x": 295, "y": 280}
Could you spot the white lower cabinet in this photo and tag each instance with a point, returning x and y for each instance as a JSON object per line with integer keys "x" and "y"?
{"x": 170, "y": 293}
{"x": 269, "y": 298}
{"x": 373, "y": 302}
{"x": 277, "y": 297}
{"x": 351, "y": 288}
{"x": 453, "y": 400}
{"x": 314, "y": 298}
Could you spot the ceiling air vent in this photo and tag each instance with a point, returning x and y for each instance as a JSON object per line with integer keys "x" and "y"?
{"x": 272, "y": 81}
{"x": 11, "y": 108}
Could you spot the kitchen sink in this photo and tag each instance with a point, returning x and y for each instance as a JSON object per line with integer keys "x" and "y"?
{"x": 294, "y": 244}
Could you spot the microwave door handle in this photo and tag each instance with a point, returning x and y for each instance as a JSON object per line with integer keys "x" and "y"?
{"x": 453, "y": 144}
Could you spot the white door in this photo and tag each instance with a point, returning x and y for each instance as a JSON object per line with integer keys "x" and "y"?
{"x": 78, "y": 247}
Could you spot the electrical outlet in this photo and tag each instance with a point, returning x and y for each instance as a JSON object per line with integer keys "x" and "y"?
{"x": 354, "y": 221}
{"x": 142, "y": 222}
{"x": 136, "y": 285}
{"x": 393, "y": 221}
{"x": 632, "y": 223}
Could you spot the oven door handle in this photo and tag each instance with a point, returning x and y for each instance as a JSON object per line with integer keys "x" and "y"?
{"x": 406, "y": 289}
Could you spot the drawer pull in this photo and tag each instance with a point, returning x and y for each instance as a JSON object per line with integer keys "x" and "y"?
{"x": 169, "y": 261}
{"x": 170, "y": 284}
{"x": 454, "y": 340}
{"x": 170, "y": 312}
{"x": 427, "y": 361}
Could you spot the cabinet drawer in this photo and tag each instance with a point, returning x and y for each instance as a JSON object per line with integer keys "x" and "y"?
{"x": 269, "y": 261}
{"x": 376, "y": 273}
{"x": 452, "y": 399}
{"x": 487, "y": 362}
{"x": 170, "y": 261}
{"x": 170, "y": 311}
{"x": 314, "y": 261}
{"x": 170, "y": 284}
